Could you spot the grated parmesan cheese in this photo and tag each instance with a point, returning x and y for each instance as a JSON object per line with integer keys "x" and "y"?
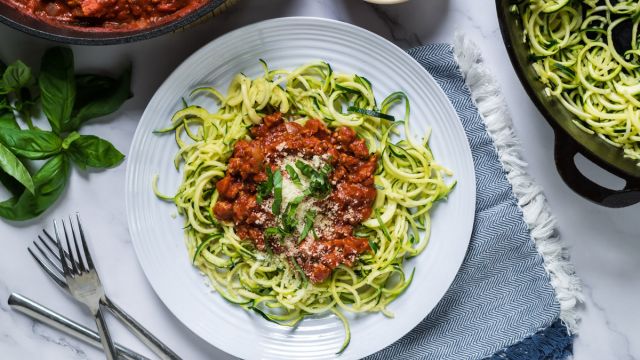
{"x": 289, "y": 190}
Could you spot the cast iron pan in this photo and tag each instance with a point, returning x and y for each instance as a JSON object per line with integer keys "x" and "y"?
{"x": 569, "y": 139}
{"x": 33, "y": 26}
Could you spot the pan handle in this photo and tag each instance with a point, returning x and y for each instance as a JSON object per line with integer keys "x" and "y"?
{"x": 565, "y": 151}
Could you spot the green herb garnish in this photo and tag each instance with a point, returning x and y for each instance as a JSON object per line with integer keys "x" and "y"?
{"x": 68, "y": 100}
{"x": 309, "y": 218}
{"x": 319, "y": 185}
{"x": 277, "y": 192}
{"x": 289, "y": 221}
{"x": 373, "y": 246}
{"x": 293, "y": 175}
{"x": 265, "y": 188}
{"x": 276, "y": 232}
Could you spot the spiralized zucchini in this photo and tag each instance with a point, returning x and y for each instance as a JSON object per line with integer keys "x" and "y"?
{"x": 408, "y": 180}
{"x": 573, "y": 53}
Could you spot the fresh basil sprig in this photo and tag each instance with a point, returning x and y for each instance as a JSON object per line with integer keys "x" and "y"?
{"x": 67, "y": 100}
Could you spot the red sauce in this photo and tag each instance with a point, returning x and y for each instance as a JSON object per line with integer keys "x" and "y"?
{"x": 348, "y": 204}
{"x": 106, "y": 14}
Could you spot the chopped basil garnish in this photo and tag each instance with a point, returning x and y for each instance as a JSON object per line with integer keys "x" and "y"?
{"x": 309, "y": 217}
{"x": 305, "y": 168}
{"x": 289, "y": 221}
{"x": 319, "y": 185}
{"x": 265, "y": 188}
{"x": 295, "y": 178}
{"x": 276, "y": 232}
{"x": 277, "y": 192}
{"x": 373, "y": 246}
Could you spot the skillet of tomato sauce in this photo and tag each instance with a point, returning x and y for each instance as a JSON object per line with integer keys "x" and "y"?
{"x": 348, "y": 204}
{"x": 106, "y": 15}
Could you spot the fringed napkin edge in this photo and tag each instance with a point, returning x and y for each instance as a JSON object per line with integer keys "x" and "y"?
{"x": 488, "y": 97}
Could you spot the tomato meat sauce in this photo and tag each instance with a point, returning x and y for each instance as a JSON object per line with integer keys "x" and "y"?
{"x": 276, "y": 143}
{"x": 106, "y": 14}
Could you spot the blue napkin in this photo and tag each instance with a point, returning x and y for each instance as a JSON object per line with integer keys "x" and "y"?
{"x": 501, "y": 304}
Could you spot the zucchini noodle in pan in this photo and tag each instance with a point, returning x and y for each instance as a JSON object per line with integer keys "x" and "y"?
{"x": 300, "y": 194}
{"x": 575, "y": 53}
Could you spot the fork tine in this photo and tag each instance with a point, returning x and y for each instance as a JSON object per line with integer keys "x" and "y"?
{"x": 48, "y": 270}
{"x": 65, "y": 266}
{"x": 74, "y": 268}
{"x": 55, "y": 264}
{"x": 75, "y": 241}
{"x": 87, "y": 254}
{"x": 66, "y": 255}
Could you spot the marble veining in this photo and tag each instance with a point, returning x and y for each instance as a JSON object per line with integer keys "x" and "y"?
{"x": 47, "y": 334}
{"x": 611, "y": 327}
{"x": 605, "y": 243}
{"x": 399, "y": 34}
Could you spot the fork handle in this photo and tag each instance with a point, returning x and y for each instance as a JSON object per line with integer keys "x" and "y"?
{"x": 105, "y": 336}
{"x": 157, "y": 346}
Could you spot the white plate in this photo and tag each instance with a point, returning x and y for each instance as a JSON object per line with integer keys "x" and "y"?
{"x": 158, "y": 237}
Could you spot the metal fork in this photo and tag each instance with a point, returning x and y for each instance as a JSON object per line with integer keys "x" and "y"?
{"x": 82, "y": 281}
{"x": 58, "y": 270}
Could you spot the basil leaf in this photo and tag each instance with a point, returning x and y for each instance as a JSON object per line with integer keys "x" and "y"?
{"x": 11, "y": 165}
{"x": 373, "y": 246}
{"x": 305, "y": 168}
{"x": 265, "y": 188}
{"x": 92, "y": 151}
{"x": 57, "y": 87}
{"x": 32, "y": 144}
{"x": 8, "y": 120}
{"x": 98, "y": 96}
{"x": 319, "y": 185}
{"x": 289, "y": 221}
{"x": 277, "y": 192}
{"x": 274, "y": 232}
{"x": 7, "y": 117}
{"x": 293, "y": 175}
{"x": 16, "y": 76}
{"x": 11, "y": 184}
{"x": 49, "y": 182}
{"x": 309, "y": 218}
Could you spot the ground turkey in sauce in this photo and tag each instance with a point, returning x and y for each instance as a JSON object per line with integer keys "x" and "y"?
{"x": 348, "y": 205}
{"x": 107, "y": 14}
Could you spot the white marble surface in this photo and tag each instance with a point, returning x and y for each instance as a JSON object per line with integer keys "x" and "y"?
{"x": 605, "y": 243}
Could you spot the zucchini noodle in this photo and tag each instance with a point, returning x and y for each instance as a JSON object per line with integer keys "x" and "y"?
{"x": 574, "y": 54}
{"x": 408, "y": 181}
